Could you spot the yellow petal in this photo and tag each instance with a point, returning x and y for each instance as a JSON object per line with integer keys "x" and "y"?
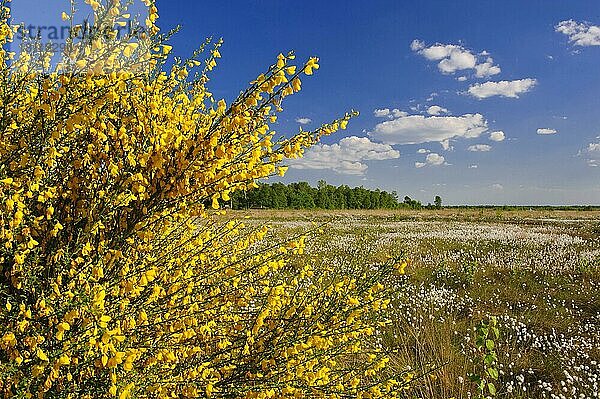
{"x": 129, "y": 49}
{"x": 64, "y": 326}
{"x": 40, "y": 354}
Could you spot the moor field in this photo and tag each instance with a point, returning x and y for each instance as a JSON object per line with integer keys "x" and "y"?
{"x": 144, "y": 256}
{"x": 537, "y": 272}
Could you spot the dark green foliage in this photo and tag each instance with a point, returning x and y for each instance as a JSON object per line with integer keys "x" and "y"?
{"x": 411, "y": 203}
{"x": 324, "y": 196}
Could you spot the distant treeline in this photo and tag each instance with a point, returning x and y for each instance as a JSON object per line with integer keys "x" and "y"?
{"x": 325, "y": 196}
{"x": 530, "y": 207}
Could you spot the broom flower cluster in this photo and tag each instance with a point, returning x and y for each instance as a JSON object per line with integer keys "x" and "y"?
{"x": 119, "y": 274}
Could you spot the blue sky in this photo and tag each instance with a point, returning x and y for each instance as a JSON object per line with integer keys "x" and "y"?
{"x": 435, "y": 82}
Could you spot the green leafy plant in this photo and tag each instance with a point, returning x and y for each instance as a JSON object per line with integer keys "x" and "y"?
{"x": 487, "y": 359}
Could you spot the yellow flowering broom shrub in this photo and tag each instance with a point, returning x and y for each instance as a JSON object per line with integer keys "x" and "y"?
{"x": 118, "y": 275}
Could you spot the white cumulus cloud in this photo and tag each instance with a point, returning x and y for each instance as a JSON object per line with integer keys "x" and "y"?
{"x": 497, "y": 136}
{"x": 452, "y": 58}
{"x": 593, "y": 147}
{"x": 387, "y": 113}
{"x": 503, "y": 88}
{"x": 416, "y": 129}
{"x": 546, "y": 131}
{"x": 580, "y": 33}
{"x": 487, "y": 69}
{"x": 432, "y": 159}
{"x": 381, "y": 113}
{"x": 303, "y": 121}
{"x": 446, "y": 145}
{"x": 436, "y": 110}
{"x": 345, "y": 157}
{"x": 480, "y": 148}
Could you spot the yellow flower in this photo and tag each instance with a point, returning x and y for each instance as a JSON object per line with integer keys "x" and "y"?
{"x": 401, "y": 268}
{"x": 41, "y": 355}
{"x": 94, "y": 4}
{"x": 310, "y": 65}
{"x": 129, "y": 49}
